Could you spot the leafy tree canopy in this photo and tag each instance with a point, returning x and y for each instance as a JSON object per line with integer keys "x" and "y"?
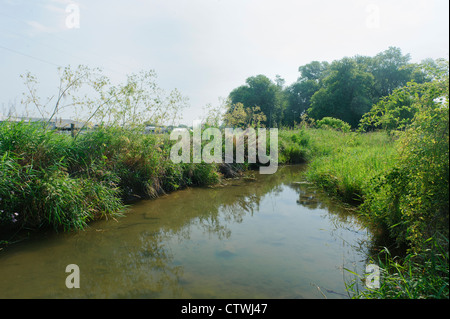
{"x": 345, "y": 89}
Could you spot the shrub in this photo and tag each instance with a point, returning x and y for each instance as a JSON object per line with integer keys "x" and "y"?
{"x": 411, "y": 200}
{"x": 423, "y": 275}
{"x": 333, "y": 123}
{"x": 50, "y": 179}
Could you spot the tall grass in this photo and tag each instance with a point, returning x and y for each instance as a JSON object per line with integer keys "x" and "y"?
{"x": 51, "y": 179}
{"x": 343, "y": 164}
{"x": 423, "y": 275}
{"x": 294, "y": 146}
{"x": 352, "y": 166}
{"x": 36, "y": 186}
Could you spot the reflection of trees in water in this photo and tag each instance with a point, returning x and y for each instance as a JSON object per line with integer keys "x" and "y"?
{"x": 218, "y": 207}
{"x": 142, "y": 267}
{"x": 134, "y": 260}
{"x": 344, "y": 221}
{"x": 212, "y": 226}
{"x": 152, "y": 268}
{"x": 237, "y": 203}
{"x": 148, "y": 268}
{"x": 223, "y": 206}
{"x": 343, "y": 217}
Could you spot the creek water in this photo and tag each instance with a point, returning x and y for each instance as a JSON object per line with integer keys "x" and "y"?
{"x": 262, "y": 236}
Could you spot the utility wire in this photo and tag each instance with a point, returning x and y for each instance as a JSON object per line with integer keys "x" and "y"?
{"x": 59, "y": 39}
{"x": 29, "y": 56}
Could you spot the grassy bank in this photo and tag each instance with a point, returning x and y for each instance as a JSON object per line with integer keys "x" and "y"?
{"x": 341, "y": 163}
{"x": 53, "y": 180}
{"x": 399, "y": 185}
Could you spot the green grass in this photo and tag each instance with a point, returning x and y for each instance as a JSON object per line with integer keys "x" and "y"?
{"x": 373, "y": 172}
{"x": 294, "y": 146}
{"x": 51, "y": 179}
{"x": 423, "y": 275}
{"x": 345, "y": 163}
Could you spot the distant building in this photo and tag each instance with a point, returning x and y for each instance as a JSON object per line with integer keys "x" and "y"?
{"x": 155, "y": 129}
{"x": 57, "y": 123}
{"x": 66, "y": 124}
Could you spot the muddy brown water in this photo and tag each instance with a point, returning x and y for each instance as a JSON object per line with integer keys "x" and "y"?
{"x": 264, "y": 236}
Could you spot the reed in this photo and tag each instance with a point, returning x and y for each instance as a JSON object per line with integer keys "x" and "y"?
{"x": 51, "y": 179}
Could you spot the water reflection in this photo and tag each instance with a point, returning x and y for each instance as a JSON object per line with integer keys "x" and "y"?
{"x": 266, "y": 236}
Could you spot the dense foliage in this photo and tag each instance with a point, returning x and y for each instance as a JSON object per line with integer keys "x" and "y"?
{"x": 375, "y": 132}
{"x": 345, "y": 89}
{"x": 411, "y": 200}
{"x": 51, "y": 179}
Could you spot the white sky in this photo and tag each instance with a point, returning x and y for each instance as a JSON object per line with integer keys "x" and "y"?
{"x": 206, "y": 48}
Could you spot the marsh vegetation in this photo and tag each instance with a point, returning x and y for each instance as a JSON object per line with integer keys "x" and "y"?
{"x": 374, "y": 132}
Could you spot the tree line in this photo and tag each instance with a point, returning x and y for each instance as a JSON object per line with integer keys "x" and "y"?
{"x": 344, "y": 89}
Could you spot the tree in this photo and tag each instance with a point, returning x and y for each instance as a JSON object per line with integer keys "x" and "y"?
{"x": 128, "y": 104}
{"x": 397, "y": 111}
{"x": 391, "y": 70}
{"x": 352, "y": 85}
{"x": 314, "y": 71}
{"x": 280, "y": 81}
{"x": 345, "y": 89}
{"x": 140, "y": 99}
{"x": 71, "y": 81}
{"x": 244, "y": 117}
{"x": 215, "y": 113}
{"x": 262, "y": 92}
{"x": 345, "y": 94}
{"x": 412, "y": 199}
{"x": 298, "y": 95}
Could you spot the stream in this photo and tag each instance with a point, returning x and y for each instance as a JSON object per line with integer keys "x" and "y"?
{"x": 257, "y": 237}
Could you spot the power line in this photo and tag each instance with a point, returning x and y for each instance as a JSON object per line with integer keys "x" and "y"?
{"x": 62, "y": 51}
{"x": 30, "y": 56}
{"x": 65, "y": 40}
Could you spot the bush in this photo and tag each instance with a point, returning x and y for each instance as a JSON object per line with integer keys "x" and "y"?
{"x": 51, "y": 179}
{"x": 333, "y": 123}
{"x": 411, "y": 200}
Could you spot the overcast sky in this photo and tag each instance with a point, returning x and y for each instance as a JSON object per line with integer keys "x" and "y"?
{"x": 206, "y": 48}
